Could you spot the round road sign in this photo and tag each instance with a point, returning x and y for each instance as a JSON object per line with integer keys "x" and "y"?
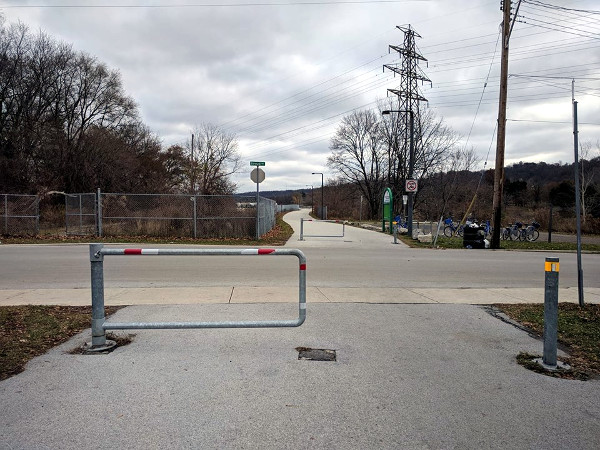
{"x": 411, "y": 186}
{"x": 257, "y": 175}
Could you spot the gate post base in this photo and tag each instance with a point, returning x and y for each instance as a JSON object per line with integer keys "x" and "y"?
{"x": 108, "y": 346}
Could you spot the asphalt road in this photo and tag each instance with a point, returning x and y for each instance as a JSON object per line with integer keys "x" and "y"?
{"x": 360, "y": 259}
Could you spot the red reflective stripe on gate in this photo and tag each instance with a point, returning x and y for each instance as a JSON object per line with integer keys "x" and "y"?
{"x": 265, "y": 251}
{"x": 132, "y": 251}
{"x": 302, "y": 266}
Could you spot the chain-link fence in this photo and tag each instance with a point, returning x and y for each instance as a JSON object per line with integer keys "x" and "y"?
{"x": 20, "y": 214}
{"x": 267, "y": 209}
{"x": 119, "y": 214}
{"x": 199, "y": 216}
{"x": 81, "y": 214}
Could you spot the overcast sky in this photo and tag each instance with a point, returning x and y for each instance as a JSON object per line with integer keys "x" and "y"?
{"x": 281, "y": 74}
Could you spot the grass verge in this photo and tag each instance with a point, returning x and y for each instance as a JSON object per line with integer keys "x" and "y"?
{"x": 279, "y": 235}
{"x": 457, "y": 242}
{"x": 31, "y": 330}
{"x": 578, "y": 334}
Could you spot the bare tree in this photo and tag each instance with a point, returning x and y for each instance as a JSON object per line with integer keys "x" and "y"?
{"x": 358, "y": 156}
{"x": 450, "y": 188}
{"x": 66, "y": 122}
{"x": 213, "y": 160}
{"x": 589, "y": 172}
{"x": 434, "y": 143}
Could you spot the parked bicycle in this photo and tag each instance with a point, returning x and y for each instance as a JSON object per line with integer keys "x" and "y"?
{"x": 512, "y": 231}
{"x": 400, "y": 222}
{"x": 530, "y": 232}
{"x": 451, "y": 228}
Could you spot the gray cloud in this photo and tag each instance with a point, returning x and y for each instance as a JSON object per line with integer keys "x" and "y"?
{"x": 282, "y": 77}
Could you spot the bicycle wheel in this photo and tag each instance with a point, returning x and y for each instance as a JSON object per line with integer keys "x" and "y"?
{"x": 505, "y": 234}
{"x": 448, "y": 230}
{"x": 533, "y": 235}
{"x": 461, "y": 230}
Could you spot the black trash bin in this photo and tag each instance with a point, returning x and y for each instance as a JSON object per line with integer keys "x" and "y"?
{"x": 474, "y": 236}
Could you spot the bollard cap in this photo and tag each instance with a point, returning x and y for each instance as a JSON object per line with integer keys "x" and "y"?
{"x": 552, "y": 264}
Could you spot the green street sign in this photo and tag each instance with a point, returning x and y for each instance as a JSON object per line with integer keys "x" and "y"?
{"x": 257, "y": 163}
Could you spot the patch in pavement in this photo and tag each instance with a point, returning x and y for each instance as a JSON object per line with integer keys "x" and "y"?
{"x": 113, "y": 341}
{"x": 316, "y": 354}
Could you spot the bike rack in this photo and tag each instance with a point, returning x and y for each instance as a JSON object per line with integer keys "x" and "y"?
{"x": 99, "y": 324}
{"x": 302, "y": 235}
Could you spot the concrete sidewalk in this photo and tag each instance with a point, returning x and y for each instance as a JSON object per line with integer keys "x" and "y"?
{"x": 406, "y": 376}
{"x": 288, "y": 294}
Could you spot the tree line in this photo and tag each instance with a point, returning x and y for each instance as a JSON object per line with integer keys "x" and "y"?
{"x": 370, "y": 151}
{"x": 67, "y": 124}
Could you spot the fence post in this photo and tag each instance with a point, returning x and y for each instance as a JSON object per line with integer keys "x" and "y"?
{"x": 37, "y": 215}
{"x": 97, "y": 274}
{"x": 551, "y": 311}
{"x": 550, "y": 225}
{"x": 99, "y": 211}
{"x": 195, "y": 217}
{"x": 66, "y": 196}
{"x": 5, "y": 213}
{"x": 301, "y": 228}
{"x": 80, "y": 215}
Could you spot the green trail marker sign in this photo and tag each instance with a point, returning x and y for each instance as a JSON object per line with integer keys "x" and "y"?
{"x": 257, "y": 163}
{"x": 387, "y": 209}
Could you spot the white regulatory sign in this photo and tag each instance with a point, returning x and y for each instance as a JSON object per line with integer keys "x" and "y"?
{"x": 411, "y": 186}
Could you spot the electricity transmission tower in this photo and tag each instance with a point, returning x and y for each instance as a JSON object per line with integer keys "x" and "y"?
{"x": 408, "y": 110}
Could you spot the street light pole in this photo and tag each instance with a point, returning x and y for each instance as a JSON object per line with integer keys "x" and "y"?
{"x": 411, "y": 164}
{"x": 312, "y": 198}
{"x": 322, "y": 202}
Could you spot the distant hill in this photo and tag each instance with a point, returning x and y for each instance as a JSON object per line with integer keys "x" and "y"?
{"x": 281, "y": 197}
{"x": 539, "y": 173}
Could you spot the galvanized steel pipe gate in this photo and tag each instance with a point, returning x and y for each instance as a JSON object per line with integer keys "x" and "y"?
{"x": 99, "y": 324}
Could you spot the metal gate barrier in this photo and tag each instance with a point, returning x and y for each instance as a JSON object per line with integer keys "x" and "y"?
{"x": 99, "y": 324}
{"x": 302, "y": 235}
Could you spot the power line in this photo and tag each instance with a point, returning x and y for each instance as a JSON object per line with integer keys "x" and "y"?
{"x": 211, "y": 5}
{"x": 553, "y": 77}
{"x": 552, "y": 121}
{"x": 561, "y": 8}
{"x": 483, "y": 92}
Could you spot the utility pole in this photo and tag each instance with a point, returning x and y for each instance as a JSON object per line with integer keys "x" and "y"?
{"x": 408, "y": 106}
{"x": 501, "y": 137}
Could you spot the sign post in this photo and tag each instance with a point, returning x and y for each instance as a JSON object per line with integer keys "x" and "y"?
{"x": 411, "y": 187}
{"x": 258, "y": 176}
